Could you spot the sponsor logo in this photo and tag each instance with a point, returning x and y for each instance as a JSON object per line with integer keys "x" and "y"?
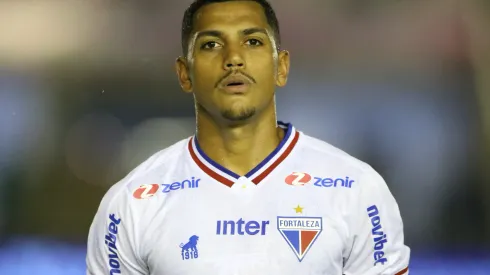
{"x": 188, "y": 183}
{"x": 300, "y": 233}
{"x": 379, "y": 238}
{"x": 331, "y": 182}
{"x": 189, "y": 250}
{"x": 111, "y": 241}
{"x": 241, "y": 227}
{"x": 145, "y": 191}
{"x": 297, "y": 178}
{"x": 300, "y": 179}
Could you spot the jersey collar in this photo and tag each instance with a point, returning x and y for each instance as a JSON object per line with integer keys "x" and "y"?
{"x": 257, "y": 174}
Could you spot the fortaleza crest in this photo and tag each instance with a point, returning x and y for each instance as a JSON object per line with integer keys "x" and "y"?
{"x": 300, "y": 233}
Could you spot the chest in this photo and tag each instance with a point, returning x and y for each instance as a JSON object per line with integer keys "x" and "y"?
{"x": 248, "y": 230}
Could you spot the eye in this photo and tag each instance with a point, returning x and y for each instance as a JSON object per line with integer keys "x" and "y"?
{"x": 210, "y": 45}
{"x": 254, "y": 42}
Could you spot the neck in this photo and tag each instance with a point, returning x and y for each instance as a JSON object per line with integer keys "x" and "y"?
{"x": 239, "y": 148}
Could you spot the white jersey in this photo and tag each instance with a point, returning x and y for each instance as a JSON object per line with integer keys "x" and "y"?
{"x": 308, "y": 208}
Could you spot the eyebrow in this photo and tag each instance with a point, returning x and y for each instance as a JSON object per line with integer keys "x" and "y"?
{"x": 254, "y": 30}
{"x": 220, "y": 34}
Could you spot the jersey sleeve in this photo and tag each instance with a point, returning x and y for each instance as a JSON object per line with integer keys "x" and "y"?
{"x": 112, "y": 244}
{"x": 377, "y": 237}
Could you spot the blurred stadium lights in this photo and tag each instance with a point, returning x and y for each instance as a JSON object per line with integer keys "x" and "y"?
{"x": 27, "y": 119}
{"x": 35, "y": 32}
{"x": 93, "y": 145}
{"x": 45, "y": 257}
{"x": 153, "y": 135}
{"x": 100, "y": 150}
{"x": 102, "y": 32}
{"x": 419, "y": 126}
{"x": 39, "y": 33}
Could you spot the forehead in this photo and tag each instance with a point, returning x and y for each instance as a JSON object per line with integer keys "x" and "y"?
{"x": 229, "y": 15}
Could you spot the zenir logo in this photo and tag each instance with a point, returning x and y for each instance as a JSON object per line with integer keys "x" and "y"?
{"x": 145, "y": 191}
{"x": 298, "y": 179}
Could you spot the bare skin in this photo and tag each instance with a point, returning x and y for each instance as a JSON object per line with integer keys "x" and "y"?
{"x": 237, "y": 124}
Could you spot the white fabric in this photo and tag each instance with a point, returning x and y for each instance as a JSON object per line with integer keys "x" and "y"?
{"x": 172, "y": 217}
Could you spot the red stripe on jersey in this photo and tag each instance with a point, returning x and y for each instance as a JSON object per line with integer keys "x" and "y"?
{"x": 206, "y": 169}
{"x": 403, "y": 271}
{"x": 278, "y": 161}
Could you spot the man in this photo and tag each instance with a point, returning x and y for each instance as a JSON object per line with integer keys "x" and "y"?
{"x": 246, "y": 194}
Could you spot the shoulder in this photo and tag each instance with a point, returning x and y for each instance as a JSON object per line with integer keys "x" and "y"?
{"x": 368, "y": 187}
{"x": 325, "y": 157}
{"x": 141, "y": 181}
{"x": 327, "y": 153}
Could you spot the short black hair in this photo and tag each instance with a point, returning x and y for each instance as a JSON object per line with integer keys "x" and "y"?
{"x": 189, "y": 15}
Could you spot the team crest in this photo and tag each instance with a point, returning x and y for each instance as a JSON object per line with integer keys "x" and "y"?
{"x": 300, "y": 233}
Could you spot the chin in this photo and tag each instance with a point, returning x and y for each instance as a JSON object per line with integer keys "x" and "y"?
{"x": 241, "y": 114}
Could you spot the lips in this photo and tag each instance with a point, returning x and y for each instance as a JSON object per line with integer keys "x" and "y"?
{"x": 235, "y": 80}
{"x": 236, "y": 84}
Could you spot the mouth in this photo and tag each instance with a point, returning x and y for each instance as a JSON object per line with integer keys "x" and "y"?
{"x": 236, "y": 84}
{"x": 236, "y": 88}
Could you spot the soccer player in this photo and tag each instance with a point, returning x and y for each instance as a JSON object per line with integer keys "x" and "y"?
{"x": 246, "y": 194}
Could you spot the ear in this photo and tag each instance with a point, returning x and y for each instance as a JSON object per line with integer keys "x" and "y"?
{"x": 182, "y": 69}
{"x": 282, "y": 68}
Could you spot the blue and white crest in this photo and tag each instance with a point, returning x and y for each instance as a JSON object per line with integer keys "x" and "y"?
{"x": 300, "y": 233}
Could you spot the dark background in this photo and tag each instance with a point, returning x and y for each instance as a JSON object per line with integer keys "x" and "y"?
{"x": 88, "y": 91}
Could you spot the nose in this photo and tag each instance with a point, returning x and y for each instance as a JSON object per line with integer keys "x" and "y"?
{"x": 234, "y": 61}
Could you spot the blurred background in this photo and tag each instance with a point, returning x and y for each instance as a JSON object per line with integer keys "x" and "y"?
{"x": 88, "y": 91}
